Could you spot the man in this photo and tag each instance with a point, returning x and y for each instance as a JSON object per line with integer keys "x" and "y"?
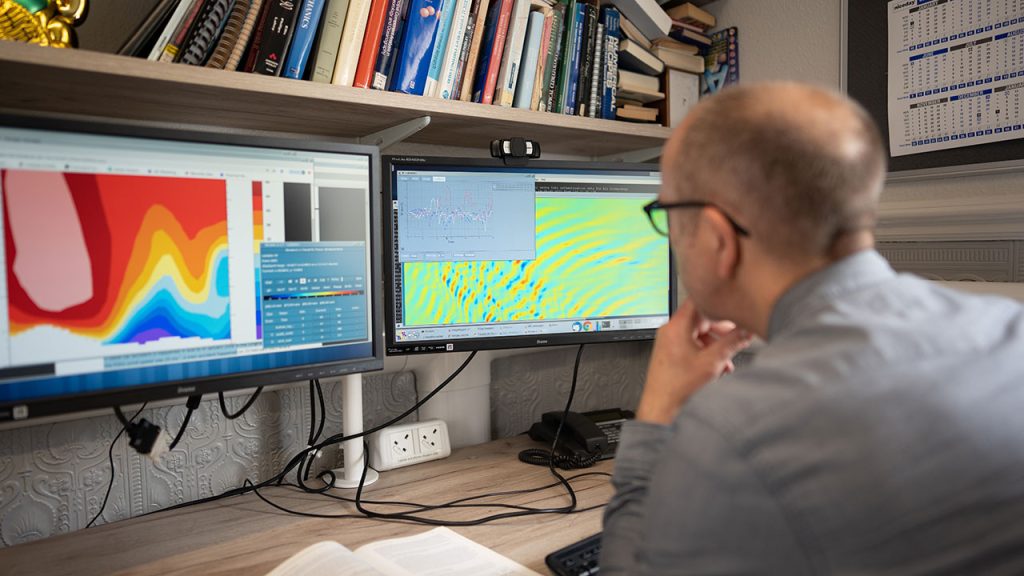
{"x": 880, "y": 430}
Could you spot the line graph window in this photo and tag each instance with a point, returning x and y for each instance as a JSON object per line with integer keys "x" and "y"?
{"x": 454, "y": 216}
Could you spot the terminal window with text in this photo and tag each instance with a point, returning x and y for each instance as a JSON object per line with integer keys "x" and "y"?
{"x": 135, "y": 262}
{"x": 489, "y": 256}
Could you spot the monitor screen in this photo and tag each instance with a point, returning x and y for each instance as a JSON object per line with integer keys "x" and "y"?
{"x": 488, "y": 256}
{"x": 144, "y": 263}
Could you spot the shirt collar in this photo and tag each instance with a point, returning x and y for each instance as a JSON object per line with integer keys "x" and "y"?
{"x": 858, "y": 269}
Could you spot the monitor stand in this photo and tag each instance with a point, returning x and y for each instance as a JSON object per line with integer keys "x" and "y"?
{"x": 352, "y": 423}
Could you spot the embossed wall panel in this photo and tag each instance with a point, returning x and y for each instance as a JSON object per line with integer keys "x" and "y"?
{"x": 982, "y": 261}
{"x": 53, "y": 476}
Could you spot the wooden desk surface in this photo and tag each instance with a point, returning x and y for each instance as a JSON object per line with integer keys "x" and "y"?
{"x": 243, "y": 535}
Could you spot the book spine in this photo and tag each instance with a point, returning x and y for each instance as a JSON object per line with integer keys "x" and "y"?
{"x": 179, "y": 14}
{"x": 205, "y": 30}
{"x": 389, "y": 39}
{"x": 371, "y": 43}
{"x": 332, "y": 23}
{"x": 480, "y": 31}
{"x": 595, "y": 81}
{"x": 496, "y": 50}
{"x": 456, "y": 42}
{"x": 586, "y": 58}
{"x": 351, "y": 40}
{"x": 437, "y": 55}
{"x": 278, "y": 28}
{"x": 572, "y": 82}
{"x": 611, "y": 61}
{"x": 417, "y": 46}
{"x": 174, "y": 44}
{"x": 148, "y": 27}
{"x": 467, "y": 47}
{"x": 257, "y": 37}
{"x": 567, "y": 41}
{"x": 554, "y": 65}
{"x": 245, "y": 35}
{"x": 528, "y": 68}
{"x": 302, "y": 41}
{"x": 539, "y": 74}
{"x": 508, "y": 75}
{"x": 229, "y": 37}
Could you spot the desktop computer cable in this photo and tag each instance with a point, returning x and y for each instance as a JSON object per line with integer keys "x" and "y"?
{"x": 128, "y": 422}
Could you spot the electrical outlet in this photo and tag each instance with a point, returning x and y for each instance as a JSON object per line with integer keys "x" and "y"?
{"x": 405, "y": 444}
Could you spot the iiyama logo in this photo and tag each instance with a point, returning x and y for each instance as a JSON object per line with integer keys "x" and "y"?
{"x": 186, "y": 389}
{"x": 541, "y": 341}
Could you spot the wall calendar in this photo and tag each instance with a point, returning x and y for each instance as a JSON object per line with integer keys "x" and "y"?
{"x": 956, "y": 73}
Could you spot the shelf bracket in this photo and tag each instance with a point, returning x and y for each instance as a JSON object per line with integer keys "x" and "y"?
{"x": 388, "y": 137}
{"x": 632, "y": 156}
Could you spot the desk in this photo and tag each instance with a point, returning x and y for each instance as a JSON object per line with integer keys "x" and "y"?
{"x": 243, "y": 535}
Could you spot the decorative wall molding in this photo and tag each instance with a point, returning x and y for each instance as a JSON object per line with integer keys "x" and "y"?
{"x": 972, "y": 261}
{"x": 916, "y": 215}
{"x": 53, "y": 476}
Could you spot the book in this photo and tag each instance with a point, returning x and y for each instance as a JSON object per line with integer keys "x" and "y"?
{"x": 332, "y": 23}
{"x": 689, "y": 36}
{"x": 457, "y": 42}
{"x": 410, "y": 74}
{"x": 242, "y": 43}
{"x": 540, "y": 72}
{"x": 634, "y": 82}
{"x": 610, "y": 75}
{"x": 436, "y": 551}
{"x": 682, "y": 90}
{"x": 508, "y": 74}
{"x": 205, "y": 32}
{"x": 646, "y": 15}
{"x": 468, "y": 72}
{"x": 693, "y": 15}
{"x": 229, "y": 37}
{"x": 630, "y": 31}
{"x": 669, "y": 43}
{"x": 270, "y": 43}
{"x": 390, "y": 44}
{"x": 351, "y": 41}
{"x": 722, "y": 61}
{"x": 177, "y": 39}
{"x": 307, "y": 23}
{"x": 492, "y": 50}
{"x": 367, "y": 62}
{"x": 573, "y": 80}
{"x": 444, "y": 26}
{"x": 546, "y": 103}
{"x": 568, "y": 41}
{"x": 594, "y": 106}
{"x": 634, "y": 58}
{"x": 172, "y": 25}
{"x": 634, "y": 113}
{"x": 678, "y": 59}
{"x": 588, "y": 41}
{"x": 149, "y": 28}
{"x": 531, "y": 53}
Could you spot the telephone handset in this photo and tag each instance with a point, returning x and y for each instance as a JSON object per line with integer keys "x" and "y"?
{"x": 591, "y": 433}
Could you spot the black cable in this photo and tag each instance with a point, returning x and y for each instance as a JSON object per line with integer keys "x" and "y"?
{"x": 192, "y": 403}
{"x": 125, "y": 423}
{"x": 224, "y": 407}
{"x": 248, "y": 486}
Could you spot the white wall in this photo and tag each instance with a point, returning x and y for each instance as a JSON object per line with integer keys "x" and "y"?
{"x": 800, "y": 40}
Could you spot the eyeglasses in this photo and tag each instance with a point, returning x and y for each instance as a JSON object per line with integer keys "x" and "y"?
{"x": 657, "y": 213}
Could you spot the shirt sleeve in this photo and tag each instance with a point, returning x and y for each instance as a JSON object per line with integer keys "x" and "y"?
{"x": 685, "y": 503}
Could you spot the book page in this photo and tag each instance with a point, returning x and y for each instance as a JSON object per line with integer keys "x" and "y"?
{"x": 326, "y": 558}
{"x": 439, "y": 552}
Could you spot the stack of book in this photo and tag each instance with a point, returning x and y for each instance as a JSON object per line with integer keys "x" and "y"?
{"x": 558, "y": 56}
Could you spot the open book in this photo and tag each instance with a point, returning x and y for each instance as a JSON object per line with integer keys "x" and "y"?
{"x": 436, "y": 552}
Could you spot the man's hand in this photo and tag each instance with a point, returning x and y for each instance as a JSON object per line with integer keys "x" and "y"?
{"x": 689, "y": 352}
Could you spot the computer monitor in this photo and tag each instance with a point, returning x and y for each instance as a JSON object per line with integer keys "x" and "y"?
{"x": 484, "y": 256}
{"x": 144, "y": 263}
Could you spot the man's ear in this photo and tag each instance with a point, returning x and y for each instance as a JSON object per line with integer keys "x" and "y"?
{"x": 726, "y": 243}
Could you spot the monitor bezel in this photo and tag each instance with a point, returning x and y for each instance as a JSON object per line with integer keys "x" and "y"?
{"x": 392, "y": 163}
{"x": 77, "y": 402}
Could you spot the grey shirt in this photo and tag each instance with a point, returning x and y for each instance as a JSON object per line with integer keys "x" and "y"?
{"x": 880, "y": 431}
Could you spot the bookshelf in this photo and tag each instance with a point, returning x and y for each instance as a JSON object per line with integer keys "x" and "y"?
{"x": 46, "y": 80}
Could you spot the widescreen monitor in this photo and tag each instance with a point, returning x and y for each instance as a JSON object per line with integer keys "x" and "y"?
{"x": 484, "y": 256}
{"x": 144, "y": 263}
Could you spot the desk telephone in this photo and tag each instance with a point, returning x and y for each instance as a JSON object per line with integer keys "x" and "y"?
{"x": 583, "y": 434}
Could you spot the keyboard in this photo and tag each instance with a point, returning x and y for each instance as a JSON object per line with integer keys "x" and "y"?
{"x": 578, "y": 559}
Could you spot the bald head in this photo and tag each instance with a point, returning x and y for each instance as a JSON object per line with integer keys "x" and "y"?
{"x": 801, "y": 167}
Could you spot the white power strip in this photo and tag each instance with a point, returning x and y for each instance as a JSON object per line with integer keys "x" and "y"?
{"x": 405, "y": 444}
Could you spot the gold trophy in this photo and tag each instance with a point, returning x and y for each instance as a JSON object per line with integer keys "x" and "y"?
{"x": 44, "y": 22}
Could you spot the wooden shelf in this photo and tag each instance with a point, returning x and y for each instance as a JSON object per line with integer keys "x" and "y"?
{"x": 37, "y": 79}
